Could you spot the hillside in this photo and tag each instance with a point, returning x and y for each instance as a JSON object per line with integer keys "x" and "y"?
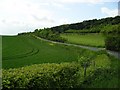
{"x": 109, "y": 28}
{"x": 32, "y": 60}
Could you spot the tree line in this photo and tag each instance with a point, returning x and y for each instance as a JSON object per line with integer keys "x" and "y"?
{"x": 87, "y": 25}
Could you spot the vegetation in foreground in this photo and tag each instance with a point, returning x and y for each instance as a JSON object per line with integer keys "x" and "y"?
{"x": 102, "y": 72}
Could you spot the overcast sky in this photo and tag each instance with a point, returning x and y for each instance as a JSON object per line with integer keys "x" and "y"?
{"x": 26, "y": 15}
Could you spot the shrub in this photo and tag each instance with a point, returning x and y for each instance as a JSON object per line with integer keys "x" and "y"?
{"x": 112, "y": 42}
{"x": 63, "y": 75}
{"x": 49, "y": 34}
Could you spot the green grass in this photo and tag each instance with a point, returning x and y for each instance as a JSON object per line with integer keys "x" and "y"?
{"x": 102, "y": 61}
{"x": 93, "y": 39}
{"x": 105, "y": 73}
{"x": 19, "y": 51}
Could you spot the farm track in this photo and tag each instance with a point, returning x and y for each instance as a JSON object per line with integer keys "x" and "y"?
{"x": 31, "y": 53}
{"x": 115, "y": 54}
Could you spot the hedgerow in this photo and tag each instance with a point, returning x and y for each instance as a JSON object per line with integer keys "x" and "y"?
{"x": 102, "y": 69}
{"x": 63, "y": 75}
{"x": 112, "y": 42}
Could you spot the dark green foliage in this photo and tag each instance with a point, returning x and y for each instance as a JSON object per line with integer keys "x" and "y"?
{"x": 25, "y": 33}
{"x": 61, "y": 28}
{"x": 112, "y": 42}
{"x": 87, "y": 25}
{"x": 49, "y": 34}
{"x": 105, "y": 29}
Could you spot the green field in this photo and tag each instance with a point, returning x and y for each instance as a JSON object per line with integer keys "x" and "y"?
{"x": 91, "y": 39}
{"x": 19, "y": 51}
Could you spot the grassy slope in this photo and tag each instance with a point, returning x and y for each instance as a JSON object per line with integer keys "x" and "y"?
{"x": 19, "y": 51}
{"x": 87, "y": 39}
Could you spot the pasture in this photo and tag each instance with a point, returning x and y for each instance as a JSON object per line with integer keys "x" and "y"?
{"x": 91, "y": 39}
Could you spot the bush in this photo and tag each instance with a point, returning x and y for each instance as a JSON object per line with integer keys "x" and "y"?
{"x": 112, "y": 42}
{"x": 49, "y": 34}
{"x": 111, "y": 29}
{"x": 42, "y": 76}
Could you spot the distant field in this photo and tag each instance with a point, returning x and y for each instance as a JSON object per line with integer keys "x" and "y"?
{"x": 20, "y": 51}
{"x": 85, "y": 39}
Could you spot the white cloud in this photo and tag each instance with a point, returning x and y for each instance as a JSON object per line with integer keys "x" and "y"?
{"x": 109, "y": 12}
{"x": 82, "y": 1}
{"x": 21, "y": 13}
{"x": 57, "y": 4}
{"x": 23, "y": 10}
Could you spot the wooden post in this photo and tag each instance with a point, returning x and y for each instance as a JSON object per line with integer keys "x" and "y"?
{"x": 85, "y": 70}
